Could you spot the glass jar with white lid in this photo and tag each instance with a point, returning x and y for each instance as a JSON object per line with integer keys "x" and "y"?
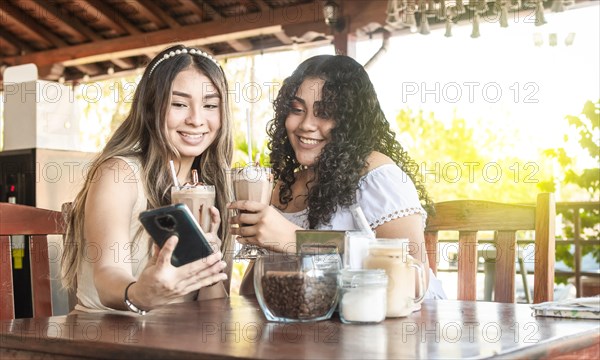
{"x": 363, "y": 296}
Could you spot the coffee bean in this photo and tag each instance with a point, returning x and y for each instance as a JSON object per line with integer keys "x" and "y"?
{"x": 296, "y": 295}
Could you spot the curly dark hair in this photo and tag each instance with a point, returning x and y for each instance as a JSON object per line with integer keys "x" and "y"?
{"x": 348, "y": 97}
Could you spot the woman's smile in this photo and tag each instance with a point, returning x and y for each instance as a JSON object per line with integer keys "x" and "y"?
{"x": 309, "y": 142}
{"x": 191, "y": 138}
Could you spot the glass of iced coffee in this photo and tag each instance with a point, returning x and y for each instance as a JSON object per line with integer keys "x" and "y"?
{"x": 198, "y": 197}
{"x": 254, "y": 183}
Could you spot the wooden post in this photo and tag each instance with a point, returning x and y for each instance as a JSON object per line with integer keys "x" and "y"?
{"x": 431, "y": 246}
{"x": 7, "y": 304}
{"x": 577, "y": 255}
{"x": 467, "y": 265}
{"x": 344, "y": 42}
{"x": 504, "y": 288}
{"x": 545, "y": 218}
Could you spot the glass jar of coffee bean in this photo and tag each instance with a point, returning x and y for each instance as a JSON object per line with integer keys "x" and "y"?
{"x": 297, "y": 288}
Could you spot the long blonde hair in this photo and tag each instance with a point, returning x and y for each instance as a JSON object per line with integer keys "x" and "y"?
{"x": 143, "y": 136}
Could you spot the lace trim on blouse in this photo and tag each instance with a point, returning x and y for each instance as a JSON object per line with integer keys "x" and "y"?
{"x": 399, "y": 214}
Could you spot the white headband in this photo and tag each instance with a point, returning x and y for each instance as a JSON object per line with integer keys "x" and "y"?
{"x": 190, "y": 51}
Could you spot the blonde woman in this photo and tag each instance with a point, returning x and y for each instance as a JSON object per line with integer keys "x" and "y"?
{"x": 179, "y": 112}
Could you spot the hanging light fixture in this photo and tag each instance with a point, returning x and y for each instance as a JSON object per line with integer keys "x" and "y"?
{"x": 460, "y": 7}
{"x": 561, "y": 5}
{"x": 475, "y": 6}
{"x": 409, "y": 15}
{"x": 332, "y": 15}
{"x": 569, "y": 39}
{"x": 539, "y": 13}
{"x": 503, "y": 4}
{"x": 475, "y": 33}
{"x": 391, "y": 12}
{"x": 441, "y": 14}
{"x": 424, "y": 27}
{"x": 558, "y": 6}
{"x": 538, "y": 40}
{"x": 451, "y": 13}
{"x": 481, "y": 7}
{"x": 432, "y": 9}
{"x": 515, "y": 5}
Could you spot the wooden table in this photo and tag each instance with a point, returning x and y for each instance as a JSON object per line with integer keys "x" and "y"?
{"x": 236, "y": 328}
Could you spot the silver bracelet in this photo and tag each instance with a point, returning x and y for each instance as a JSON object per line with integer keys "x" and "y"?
{"x": 131, "y": 306}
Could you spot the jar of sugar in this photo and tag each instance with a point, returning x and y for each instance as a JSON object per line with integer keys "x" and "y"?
{"x": 363, "y": 295}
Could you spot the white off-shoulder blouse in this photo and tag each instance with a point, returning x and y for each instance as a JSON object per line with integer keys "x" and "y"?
{"x": 384, "y": 194}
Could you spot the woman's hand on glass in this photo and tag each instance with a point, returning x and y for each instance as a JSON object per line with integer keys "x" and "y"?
{"x": 262, "y": 225}
{"x": 212, "y": 235}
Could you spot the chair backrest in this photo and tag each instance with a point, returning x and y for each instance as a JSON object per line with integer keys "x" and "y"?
{"x": 66, "y": 209}
{"x": 470, "y": 216}
{"x": 35, "y": 224}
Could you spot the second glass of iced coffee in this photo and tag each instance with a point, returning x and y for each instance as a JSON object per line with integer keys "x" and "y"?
{"x": 254, "y": 183}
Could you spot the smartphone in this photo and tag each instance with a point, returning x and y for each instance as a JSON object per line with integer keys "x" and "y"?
{"x": 177, "y": 219}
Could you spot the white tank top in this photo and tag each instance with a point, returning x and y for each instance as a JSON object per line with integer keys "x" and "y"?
{"x": 87, "y": 296}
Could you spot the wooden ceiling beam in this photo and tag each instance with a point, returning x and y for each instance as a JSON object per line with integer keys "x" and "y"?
{"x": 19, "y": 16}
{"x": 50, "y": 72}
{"x": 202, "y": 10}
{"x": 300, "y": 29}
{"x": 241, "y": 45}
{"x": 237, "y": 44}
{"x": 155, "y": 14}
{"x": 363, "y": 12}
{"x": 14, "y": 41}
{"x": 123, "y": 63}
{"x": 113, "y": 17}
{"x": 282, "y": 36}
{"x": 263, "y": 6}
{"x": 212, "y": 12}
{"x": 357, "y": 13}
{"x": 197, "y": 34}
{"x": 193, "y": 7}
{"x": 68, "y": 20}
{"x": 90, "y": 69}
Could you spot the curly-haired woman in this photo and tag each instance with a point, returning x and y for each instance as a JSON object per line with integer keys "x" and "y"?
{"x": 331, "y": 148}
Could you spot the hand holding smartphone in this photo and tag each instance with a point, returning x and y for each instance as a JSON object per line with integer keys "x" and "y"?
{"x": 176, "y": 219}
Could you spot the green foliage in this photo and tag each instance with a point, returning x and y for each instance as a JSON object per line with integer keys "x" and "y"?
{"x": 586, "y": 130}
{"x": 105, "y": 104}
{"x": 240, "y": 156}
{"x": 458, "y": 161}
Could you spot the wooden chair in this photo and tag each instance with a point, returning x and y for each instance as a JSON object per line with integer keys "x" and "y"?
{"x": 35, "y": 224}
{"x": 470, "y": 216}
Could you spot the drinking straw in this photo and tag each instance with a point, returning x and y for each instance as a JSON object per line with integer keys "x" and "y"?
{"x": 174, "y": 173}
{"x": 249, "y": 136}
{"x": 195, "y": 176}
{"x": 360, "y": 219}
